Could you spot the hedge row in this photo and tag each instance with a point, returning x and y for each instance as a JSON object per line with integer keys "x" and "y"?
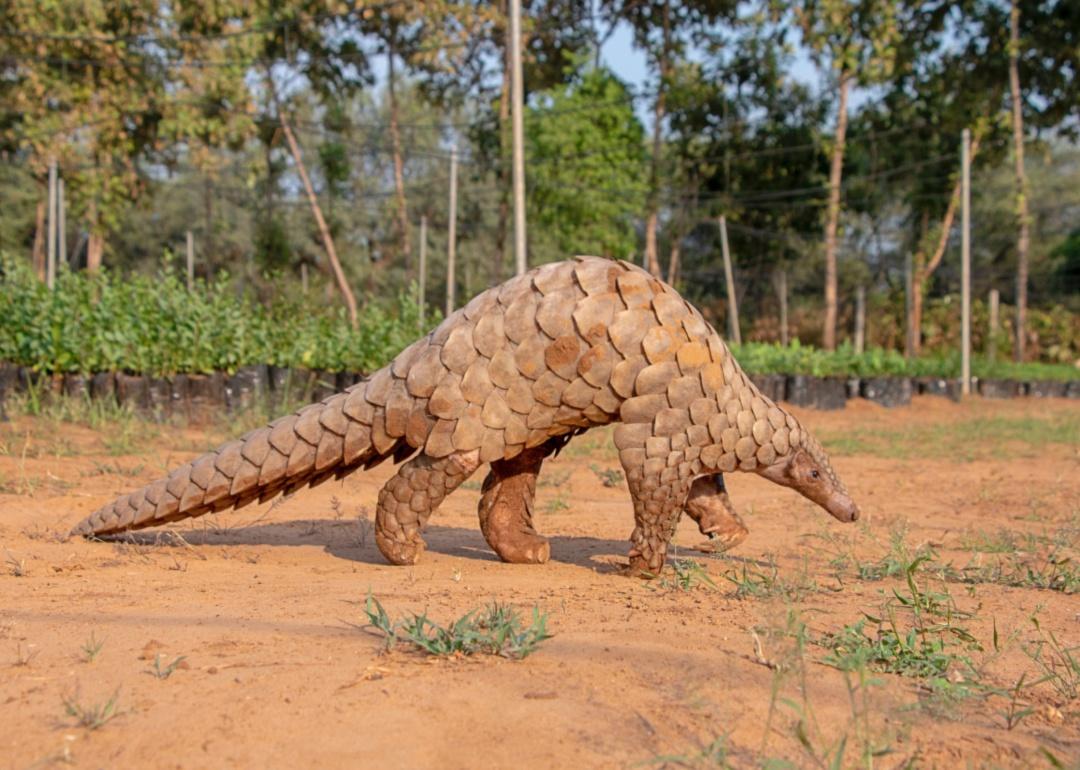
{"x": 154, "y": 326}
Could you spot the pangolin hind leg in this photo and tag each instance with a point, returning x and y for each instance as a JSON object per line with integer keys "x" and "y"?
{"x": 409, "y": 498}
{"x": 506, "y": 508}
{"x": 709, "y": 505}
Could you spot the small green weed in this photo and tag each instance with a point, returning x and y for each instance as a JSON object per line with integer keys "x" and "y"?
{"x": 557, "y": 503}
{"x": 92, "y": 716}
{"x": 497, "y": 629}
{"x": 686, "y": 575}
{"x": 91, "y": 648}
{"x": 609, "y": 477}
{"x": 928, "y": 647}
{"x": 164, "y": 672}
{"x": 1060, "y": 665}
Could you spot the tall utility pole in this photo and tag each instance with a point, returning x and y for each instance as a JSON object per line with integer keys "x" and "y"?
{"x": 421, "y": 282}
{"x": 50, "y": 256}
{"x": 451, "y": 242}
{"x": 733, "y": 309}
{"x": 1023, "y": 237}
{"x": 965, "y": 265}
{"x": 518, "y": 127}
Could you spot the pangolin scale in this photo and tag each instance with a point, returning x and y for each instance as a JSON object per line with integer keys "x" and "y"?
{"x": 507, "y": 380}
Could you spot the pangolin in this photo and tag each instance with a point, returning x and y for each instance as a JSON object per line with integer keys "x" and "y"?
{"x": 507, "y": 380}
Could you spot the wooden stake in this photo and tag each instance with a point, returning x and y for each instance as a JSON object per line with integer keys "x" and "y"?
{"x": 451, "y": 245}
{"x": 421, "y": 283}
{"x": 781, "y": 293}
{"x": 50, "y": 264}
{"x": 190, "y": 253}
{"x": 995, "y": 308}
{"x": 909, "y": 304}
{"x": 860, "y": 319}
{"x": 61, "y": 224}
{"x": 733, "y": 308}
{"x": 965, "y": 265}
{"x": 517, "y": 126}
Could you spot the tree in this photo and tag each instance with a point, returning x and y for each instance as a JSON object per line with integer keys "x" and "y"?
{"x": 857, "y": 40}
{"x": 585, "y": 147}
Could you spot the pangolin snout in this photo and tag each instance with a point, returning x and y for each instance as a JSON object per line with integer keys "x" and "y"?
{"x": 843, "y": 508}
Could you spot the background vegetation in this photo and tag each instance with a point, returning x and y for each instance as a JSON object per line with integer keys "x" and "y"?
{"x": 170, "y": 117}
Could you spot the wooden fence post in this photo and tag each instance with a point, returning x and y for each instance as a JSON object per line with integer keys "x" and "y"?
{"x": 733, "y": 308}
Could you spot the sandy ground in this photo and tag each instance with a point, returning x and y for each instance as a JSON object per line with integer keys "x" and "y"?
{"x": 265, "y": 606}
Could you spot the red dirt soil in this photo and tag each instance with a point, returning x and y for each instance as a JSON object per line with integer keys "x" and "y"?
{"x": 264, "y": 606}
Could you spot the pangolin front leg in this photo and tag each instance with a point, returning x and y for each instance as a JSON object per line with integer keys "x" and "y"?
{"x": 506, "y": 508}
{"x": 409, "y": 498}
{"x": 709, "y": 505}
{"x": 659, "y": 495}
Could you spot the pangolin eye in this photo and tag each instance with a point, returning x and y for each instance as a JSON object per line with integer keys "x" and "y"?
{"x": 814, "y": 474}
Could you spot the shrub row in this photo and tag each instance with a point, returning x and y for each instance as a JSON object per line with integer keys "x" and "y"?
{"x": 154, "y": 326}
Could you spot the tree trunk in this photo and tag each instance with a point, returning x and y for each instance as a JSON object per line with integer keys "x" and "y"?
{"x": 652, "y": 260}
{"x": 673, "y": 261}
{"x": 324, "y": 231}
{"x": 95, "y": 243}
{"x": 95, "y": 248}
{"x": 1023, "y": 236}
{"x": 37, "y": 254}
{"x": 399, "y": 163}
{"x": 828, "y": 336}
{"x": 924, "y": 269}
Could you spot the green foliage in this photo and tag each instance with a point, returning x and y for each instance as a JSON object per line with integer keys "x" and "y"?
{"x": 153, "y": 325}
{"x": 585, "y": 141}
{"x": 771, "y": 358}
{"x": 497, "y": 629}
{"x": 914, "y": 634}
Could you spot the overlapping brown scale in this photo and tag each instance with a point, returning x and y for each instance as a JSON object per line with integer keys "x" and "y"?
{"x": 377, "y": 389}
{"x": 561, "y": 356}
{"x": 459, "y": 351}
{"x": 529, "y": 356}
{"x": 628, "y": 330}
{"x": 519, "y": 320}
{"x": 597, "y": 277}
{"x": 654, "y": 378}
{"x": 404, "y": 361}
{"x": 596, "y": 364}
{"x": 424, "y": 375}
{"x": 489, "y": 335}
{"x": 469, "y": 432}
{"x": 550, "y": 278}
{"x": 447, "y": 402}
{"x": 625, "y": 373}
{"x": 481, "y": 304}
{"x": 594, "y": 314}
{"x": 476, "y": 383}
{"x": 554, "y": 314}
{"x": 635, "y": 290}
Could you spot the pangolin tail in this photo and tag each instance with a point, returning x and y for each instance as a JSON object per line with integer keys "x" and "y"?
{"x": 329, "y": 439}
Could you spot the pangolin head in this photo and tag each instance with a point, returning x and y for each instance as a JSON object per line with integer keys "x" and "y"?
{"x": 806, "y": 469}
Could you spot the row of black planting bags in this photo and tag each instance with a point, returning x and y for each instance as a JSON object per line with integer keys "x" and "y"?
{"x": 201, "y": 396}
{"x": 834, "y": 392}
{"x": 196, "y": 396}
